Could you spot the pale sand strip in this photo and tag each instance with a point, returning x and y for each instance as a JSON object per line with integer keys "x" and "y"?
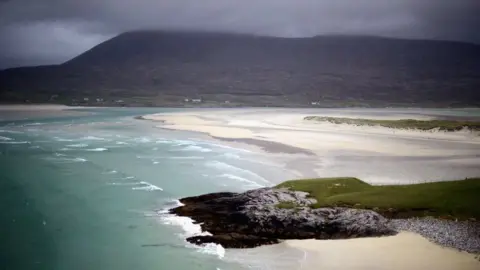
{"x": 403, "y": 251}
{"x": 35, "y": 107}
{"x": 32, "y": 111}
{"x": 319, "y": 138}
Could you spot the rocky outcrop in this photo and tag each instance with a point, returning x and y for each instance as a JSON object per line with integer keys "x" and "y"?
{"x": 253, "y": 218}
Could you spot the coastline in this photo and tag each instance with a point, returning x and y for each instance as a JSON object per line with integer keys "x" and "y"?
{"x": 402, "y": 156}
{"x": 291, "y": 129}
{"x": 286, "y": 134}
{"x": 9, "y": 112}
{"x": 35, "y": 107}
{"x": 442, "y": 244}
{"x": 403, "y": 251}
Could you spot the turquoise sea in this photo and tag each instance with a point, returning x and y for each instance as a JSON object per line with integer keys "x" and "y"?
{"x": 89, "y": 189}
{"x": 90, "y": 192}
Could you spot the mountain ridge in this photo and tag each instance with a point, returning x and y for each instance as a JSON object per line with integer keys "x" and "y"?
{"x": 165, "y": 67}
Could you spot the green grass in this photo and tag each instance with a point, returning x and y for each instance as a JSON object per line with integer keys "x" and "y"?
{"x": 287, "y": 205}
{"x": 446, "y": 125}
{"x": 452, "y": 200}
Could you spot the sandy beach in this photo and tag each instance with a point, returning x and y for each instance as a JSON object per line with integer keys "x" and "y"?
{"x": 404, "y": 251}
{"x": 377, "y": 155}
{"x": 374, "y": 154}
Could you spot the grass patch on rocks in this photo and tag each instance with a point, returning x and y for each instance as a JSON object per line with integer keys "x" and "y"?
{"x": 287, "y": 205}
{"x": 449, "y": 200}
{"x": 444, "y": 125}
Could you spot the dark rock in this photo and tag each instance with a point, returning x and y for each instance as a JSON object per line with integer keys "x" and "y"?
{"x": 250, "y": 219}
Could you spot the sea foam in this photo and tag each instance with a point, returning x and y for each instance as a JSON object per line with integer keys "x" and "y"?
{"x": 147, "y": 186}
{"x": 78, "y": 145}
{"x": 190, "y": 229}
{"x": 241, "y": 179}
{"x": 14, "y": 142}
{"x": 93, "y": 138}
{"x": 196, "y": 148}
{"x": 213, "y": 249}
{"x": 97, "y": 150}
{"x": 230, "y": 168}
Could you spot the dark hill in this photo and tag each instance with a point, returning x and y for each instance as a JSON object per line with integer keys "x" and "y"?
{"x": 162, "y": 68}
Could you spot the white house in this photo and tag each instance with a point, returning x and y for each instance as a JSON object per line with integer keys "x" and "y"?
{"x": 196, "y": 100}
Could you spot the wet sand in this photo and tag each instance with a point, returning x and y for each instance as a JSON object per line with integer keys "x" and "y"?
{"x": 377, "y": 155}
{"x": 268, "y": 146}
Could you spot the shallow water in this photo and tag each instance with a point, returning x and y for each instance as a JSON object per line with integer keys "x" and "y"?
{"x": 88, "y": 192}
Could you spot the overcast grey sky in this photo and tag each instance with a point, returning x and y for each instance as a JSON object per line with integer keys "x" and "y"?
{"x": 34, "y": 32}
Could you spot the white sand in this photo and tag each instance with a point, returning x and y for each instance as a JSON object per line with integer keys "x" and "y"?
{"x": 375, "y": 154}
{"x": 291, "y": 129}
{"x": 404, "y": 251}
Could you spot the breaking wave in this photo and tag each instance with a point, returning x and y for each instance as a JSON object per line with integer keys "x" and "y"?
{"x": 196, "y": 148}
{"x": 97, "y": 150}
{"x": 93, "y": 138}
{"x": 147, "y": 186}
{"x": 241, "y": 179}
{"x": 213, "y": 249}
{"x": 142, "y": 140}
{"x": 62, "y": 139}
{"x": 189, "y": 229}
{"x": 14, "y": 142}
{"x": 78, "y": 145}
{"x": 2, "y": 138}
{"x": 227, "y": 167}
{"x": 10, "y": 131}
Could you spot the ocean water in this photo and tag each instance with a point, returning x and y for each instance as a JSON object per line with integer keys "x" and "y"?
{"x": 90, "y": 192}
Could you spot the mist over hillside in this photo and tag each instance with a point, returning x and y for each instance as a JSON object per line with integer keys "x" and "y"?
{"x": 161, "y": 68}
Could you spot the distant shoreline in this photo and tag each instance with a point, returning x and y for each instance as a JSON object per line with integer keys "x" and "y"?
{"x": 311, "y": 145}
{"x": 214, "y": 104}
{"x": 441, "y": 124}
{"x": 15, "y": 112}
{"x": 34, "y": 107}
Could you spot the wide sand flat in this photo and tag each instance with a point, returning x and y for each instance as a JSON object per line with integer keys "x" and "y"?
{"x": 291, "y": 129}
{"x": 32, "y": 111}
{"x": 374, "y": 154}
{"x": 377, "y": 155}
{"x": 400, "y": 252}
{"x": 34, "y": 107}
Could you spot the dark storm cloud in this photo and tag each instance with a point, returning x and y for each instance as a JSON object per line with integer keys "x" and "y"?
{"x": 52, "y": 31}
